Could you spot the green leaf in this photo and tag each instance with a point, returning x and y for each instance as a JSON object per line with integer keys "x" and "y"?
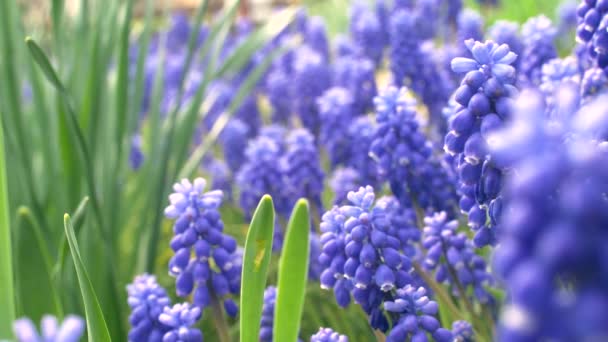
{"x": 96, "y": 325}
{"x": 44, "y": 63}
{"x": 79, "y": 215}
{"x": 293, "y": 272}
{"x": 256, "y": 258}
{"x": 33, "y": 255}
{"x": 7, "y": 294}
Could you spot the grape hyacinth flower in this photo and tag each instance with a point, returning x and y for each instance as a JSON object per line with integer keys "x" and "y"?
{"x": 595, "y": 81}
{"x": 328, "y": 335}
{"x": 301, "y": 168}
{"x": 343, "y": 181}
{"x": 484, "y": 102}
{"x": 368, "y": 36}
{"x": 70, "y": 330}
{"x": 591, "y": 31}
{"x": 261, "y": 175}
{"x": 234, "y": 141}
{"x": 278, "y": 92}
{"x": 180, "y": 319}
{"x": 316, "y": 36}
{"x": 357, "y": 75}
{"x": 539, "y": 47}
{"x": 462, "y": 331}
{"x": 206, "y": 260}
{"x": 507, "y": 32}
{"x": 414, "y": 315}
{"x": 452, "y": 256}
{"x": 362, "y": 255}
{"x": 361, "y": 134}
{"x": 136, "y": 156}
{"x": 147, "y": 300}
{"x": 557, "y": 73}
{"x": 335, "y": 108}
{"x": 311, "y": 78}
{"x": 405, "y": 156}
{"x": 470, "y": 26}
{"x": 267, "y": 321}
{"x": 552, "y": 254}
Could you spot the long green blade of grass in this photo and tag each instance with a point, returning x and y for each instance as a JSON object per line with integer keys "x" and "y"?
{"x": 7, "y": 293}
{"x": 96, "y": 325}
{"x": 293, "y": 272}
{"x": 256, "y": 258}
{"x": 35, "y": 263}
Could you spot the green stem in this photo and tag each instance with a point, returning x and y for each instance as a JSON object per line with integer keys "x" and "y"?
{"x": 221, "y": 326}
{"x": 439, "y": 291}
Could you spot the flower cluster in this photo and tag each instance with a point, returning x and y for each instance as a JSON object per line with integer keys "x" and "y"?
{"x": 451, "y": 254}
{"x": 301, "y": 168}
{"x": 552, "y": 256}
{"x": 179, "y": 319}
{"x": 591, "y": 31}
{"x": 213, "y": 271}
{"x": 311, "y": 78}
{"x": 328, "y": 335}
{"x": 267, "y": 322}
{"x": 70, "y": 330}
{"x": 147, "y": 300}
{"x": 364, "y": 254}
{"x": 539, "y": 47}
{"x": 484, "y": 102}
{"x": 335, "y": 108}
{"x": 405, "y": 156}
{"x": 413, "y": 315}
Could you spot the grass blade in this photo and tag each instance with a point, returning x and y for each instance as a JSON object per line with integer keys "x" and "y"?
{"x": 96, "y": 325}
{"x": 7, "y": 294}
{"x": 293, "y": 272}
{"x": 34, "y": 259}
{"x": 256, "y": 259}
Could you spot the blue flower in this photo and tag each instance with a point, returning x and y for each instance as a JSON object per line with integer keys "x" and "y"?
{"x": 414, "y": 316}
{"x": 484, "y": 99}
{"x": 279, "y": 95}
{"x": 557, "y": 73}
{"x": 343, "y": 181}
{"x": 368, "y": 34}
{"x": 452, "y": 256}
{"x": 591, "y": 31}
{"x": 462, "y": 331}
{"x": 180, "y": 319}
{"x": 267, "y": 320}
{"x": 301, "y": 168}
{"x": 363, "y": 254}
{"x": 470, "y": 26}
{"x": 507, "y": 32}
{"x": 361, "y": 135}
{"x": 147, "y": 300}
{"x": 539, "y": 47}
{"x": 357, "y": 75}
{"x": 328, "y": 335}
{"x": 234, "y": 141}
{"x": 335, "y": 109}
{"x": 551, "y": 255}
{"x": 405, "y": 156}
{"x": 261, "y": 175}
{"x": 594, "y": 82}
{"x": 316, "y": 36}
{"x": 70, "y": 330}
{"x": 206, "y": 260}
{"x": 311, "y": 78}
{"x": 136, "y": 156}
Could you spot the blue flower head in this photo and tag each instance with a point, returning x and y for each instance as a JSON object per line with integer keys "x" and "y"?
{"x": 261, "y": 175}
{"x": 491, "y": 59}
{"x": 335, "y": 108}
{"x": 70, "y": 330}
{"x": 267, "y": 320}
{"x": 415, "y": 316}
{"x": 507, "y": 32}
{"x": 591, "y": 31}
{"x": 311, "y": 78}
{"x": 234, "y": 141}
{"x": 470, "y": 26}
{"x": 357, "y": 75}
{"x": 594, "y": 81}
{"x": 180, "y": 319}
{"x": 316, "y": 36}
{"x": 328, "y": 335}
{"x": 343, "y": 181}
{"x": 147, "y": 300}
{"x": 368, "y": 35}
{"x": 206, "y": 260}
{"x": 539, "y": 47}
{"x": 462, "y": 331}
{"x": 302, "y": 168}
{"x": 405, "y": 156}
